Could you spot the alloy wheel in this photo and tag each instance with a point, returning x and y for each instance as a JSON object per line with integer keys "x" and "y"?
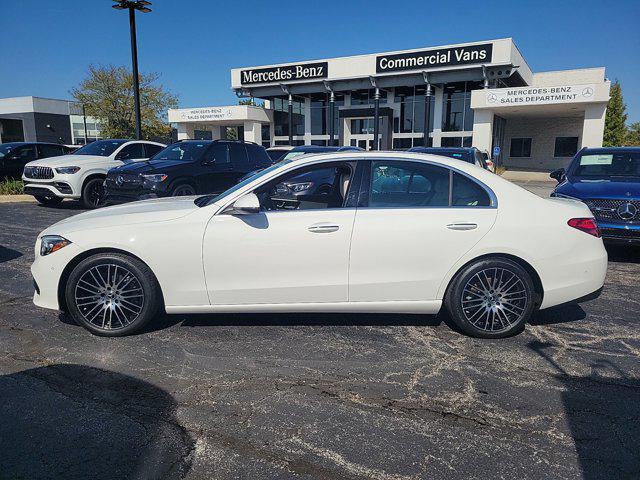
{"x": 95, "y": 194}
{"x": 183, "y": 191}
{"x": 494, "y": 299}
{"x": 109, "y": 296}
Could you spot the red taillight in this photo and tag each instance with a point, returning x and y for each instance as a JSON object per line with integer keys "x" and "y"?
{"x": 587, "y": 225}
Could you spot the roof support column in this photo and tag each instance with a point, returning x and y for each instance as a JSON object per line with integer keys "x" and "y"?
{"x": 376, "y": 115}
{"x": 427, "y": 109}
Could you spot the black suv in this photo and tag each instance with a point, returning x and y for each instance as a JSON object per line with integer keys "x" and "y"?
{"x": 15, "y": 155}
{"x": 188, "y": 167}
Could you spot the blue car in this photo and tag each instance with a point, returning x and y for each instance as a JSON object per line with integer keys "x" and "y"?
{"x": 608, "y": 181}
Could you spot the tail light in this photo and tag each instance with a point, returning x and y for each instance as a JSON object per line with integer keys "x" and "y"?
{"x": 587, "y": 225}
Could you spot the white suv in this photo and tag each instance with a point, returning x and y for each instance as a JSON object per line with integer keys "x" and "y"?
{"x": 81, "y": 174}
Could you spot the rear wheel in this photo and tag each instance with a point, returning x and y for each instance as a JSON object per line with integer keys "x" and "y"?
{"x": 48, "y": 199}
{"x": 93, "y": 193}
{"x": 491, "y": 298}
{"x": 112, "y": 294}
{"x": 183, "y": 190}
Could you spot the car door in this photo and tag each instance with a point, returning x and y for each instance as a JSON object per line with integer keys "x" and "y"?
{"x": 295, "y": 250}
{"x": 48, "y": 151}
{"x": 16, "y": 160}
{"x": 414, "y": 221}
{"x": 216, "y": 174}
{"x": 129, "y": 153}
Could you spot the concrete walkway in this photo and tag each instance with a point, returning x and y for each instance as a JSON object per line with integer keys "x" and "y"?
{"x": 16, "y": 198}
{"x": 521, "y": 176}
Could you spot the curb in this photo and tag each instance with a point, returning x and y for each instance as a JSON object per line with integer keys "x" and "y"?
{"x": 16, "y": 198}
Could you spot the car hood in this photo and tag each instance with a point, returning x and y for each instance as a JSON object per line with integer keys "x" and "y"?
{"x": 148, "y": 166}
{"x": 596, "y": 188}
{"x": 146, "y": 211}
{"x": 68, "y": 160}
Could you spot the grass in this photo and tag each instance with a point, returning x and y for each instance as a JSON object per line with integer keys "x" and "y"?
{"x": 11, "y": 187}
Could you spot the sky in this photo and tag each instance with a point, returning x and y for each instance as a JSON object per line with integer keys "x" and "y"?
{"x": 47, "y": 45}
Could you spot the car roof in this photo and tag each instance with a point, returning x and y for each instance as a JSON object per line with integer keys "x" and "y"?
{"x": 17, "y": 144}
{"x": 442, "y": 149}
{"x": 610, "y": 150}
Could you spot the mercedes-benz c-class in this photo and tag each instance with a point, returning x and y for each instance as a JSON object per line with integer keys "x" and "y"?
{"x": 395, "y": 232}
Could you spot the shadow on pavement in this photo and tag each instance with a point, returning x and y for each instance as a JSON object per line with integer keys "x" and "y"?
{"x": 623, "y": 253}
{"x": 559, "y": 314}
{"x": 7, "y": 254}
{"x": 75, "y": 421}
{"x": 65, "y": 205}
{"x": 602, "y": 411}
{"x": 292, "y": 319}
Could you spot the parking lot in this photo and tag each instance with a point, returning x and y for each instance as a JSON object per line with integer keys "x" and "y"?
{"x": 315, "y": 395}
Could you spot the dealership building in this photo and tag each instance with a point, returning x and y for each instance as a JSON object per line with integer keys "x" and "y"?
{"x": 481, "y": 94}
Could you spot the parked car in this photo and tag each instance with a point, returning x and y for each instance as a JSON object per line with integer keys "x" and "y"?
{"x": 489, "y": 162}
{"x": 607, "y": 180}
{"x": 466, "y": 154}
{"x": 80, "y": 175}
{"x": 455, "y": 235}
{"x": 15, "y": 155}
{"x": 188, "y": 167}
{"x": 276, "y": 153}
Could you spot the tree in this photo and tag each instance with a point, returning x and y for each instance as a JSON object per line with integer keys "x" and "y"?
{"x": 107, "y": 94}
{"x": 615, "y": 129}
{"x": 250, "y": 101}
{"x": 633, "y": 135}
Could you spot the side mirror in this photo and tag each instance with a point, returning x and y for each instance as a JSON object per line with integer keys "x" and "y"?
{"x": 558, "y": 175}
{"x": 209, "y": 161}
{"x": 245, "y": 205}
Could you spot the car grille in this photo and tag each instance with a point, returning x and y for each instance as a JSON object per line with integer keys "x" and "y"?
{"x": 620, "y": 233}
{"x": 615, "y": 210}
{"x": 41, "y": 173}
{"x": 124, "y": 180}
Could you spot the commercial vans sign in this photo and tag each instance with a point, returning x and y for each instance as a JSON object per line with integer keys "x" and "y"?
{"x": 440, "y": 57}
{"x": 540, "y": 95}
{"x": 304, "y": 71}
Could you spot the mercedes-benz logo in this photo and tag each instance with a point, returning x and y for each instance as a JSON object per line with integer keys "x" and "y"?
{"x": 587, "y": 92}
{"x": 492, "y": 98}
{"x": 119, "y": 180}
{"x": 627, "y": 211}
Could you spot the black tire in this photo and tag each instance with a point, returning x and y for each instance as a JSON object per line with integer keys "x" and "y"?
{"x": 491, "y": 298}
{"x": 132, "y": 300}
{"x": 183, "y": 190}
{"x": 93, "y": 193}
{"x": 49, "y": 200}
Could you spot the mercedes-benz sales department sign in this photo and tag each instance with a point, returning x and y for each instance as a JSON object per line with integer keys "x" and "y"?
{"x": 195, "y": 114}
{"x": 540, "y": 95}
{"x": 304, "y": 71}
{"x": 440, "y": 57}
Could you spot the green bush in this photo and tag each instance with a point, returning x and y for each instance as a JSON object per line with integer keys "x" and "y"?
{"x": 11, "y": 187}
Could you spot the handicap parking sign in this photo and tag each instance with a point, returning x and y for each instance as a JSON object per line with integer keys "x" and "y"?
{"x": 496, "y": 151}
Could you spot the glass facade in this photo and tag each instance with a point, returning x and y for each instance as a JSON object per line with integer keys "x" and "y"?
{"x": 94, "y": 129}
{"x": 411, "y": 110}
{"x": 320, "y": 113}
{"x": 281, "y": 116}
{"x": 457, "y": 115}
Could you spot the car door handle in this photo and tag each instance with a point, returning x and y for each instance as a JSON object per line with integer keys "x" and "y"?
{"x": 323, "y": 228}
{"x": 462, "y": 226}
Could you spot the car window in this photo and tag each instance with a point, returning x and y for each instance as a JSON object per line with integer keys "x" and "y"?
{"x": 408, "y": 184}
{"x": 238, "y": 156}
{"x": 608, "y": 164}
{"x": 25, "y": 153}
{"x": 218, "y": 153}
{"x": 276, "y": 154}
{"x": 150, "y": 149}
{"x": 258, "y": 156}
{"x": 45, "y": 151}
{"x": 310, "y": 188}
{"x": 130, "y": 152}
{"x": 467, "y": 193}
{"x": 102, "y": 148}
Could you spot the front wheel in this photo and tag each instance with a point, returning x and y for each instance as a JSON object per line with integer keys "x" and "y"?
{"x": 183, "y": 190}
{"x": 491, "y": 298}
{"x": 112, "y": 294}
{"x": 93, "y": 194}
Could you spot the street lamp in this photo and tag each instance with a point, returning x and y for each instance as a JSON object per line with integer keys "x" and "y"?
{"x": 132, "y": 6}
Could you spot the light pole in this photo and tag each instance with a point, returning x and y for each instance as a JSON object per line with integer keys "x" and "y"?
{"x": 132, "y": 6}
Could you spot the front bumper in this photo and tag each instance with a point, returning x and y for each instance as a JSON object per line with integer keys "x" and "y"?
{"x": 58, "y": 189}
{"x": 47, "y": 271}
{"x": 115, "y": 196}
{"x": 620, "y": 233}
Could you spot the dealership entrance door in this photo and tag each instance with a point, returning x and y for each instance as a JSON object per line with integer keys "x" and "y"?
{"x": 359, "y": 125}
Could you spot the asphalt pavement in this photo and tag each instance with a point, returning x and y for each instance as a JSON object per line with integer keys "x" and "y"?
{"x": 315, "y": 395}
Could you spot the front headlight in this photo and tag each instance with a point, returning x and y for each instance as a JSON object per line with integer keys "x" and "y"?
{"x": 155, "y": 178}
{"x": 52, "y": 243}
{"x": 300, "y": 187}
{"x": 67, "y": 170}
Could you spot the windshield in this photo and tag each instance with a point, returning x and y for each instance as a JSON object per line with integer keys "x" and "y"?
{"x": 183, "y": 151}
{"x": 101, "y": 148}
{"x": 293, "y": 154}
{"x": 4, "y": 149}
{"x": 209, "y": 199}
{"x": 617, "y": 164}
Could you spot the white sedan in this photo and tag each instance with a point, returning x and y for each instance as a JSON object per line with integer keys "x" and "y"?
{"x": 339, "y": 232}
{"x": 80, "y": 175}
